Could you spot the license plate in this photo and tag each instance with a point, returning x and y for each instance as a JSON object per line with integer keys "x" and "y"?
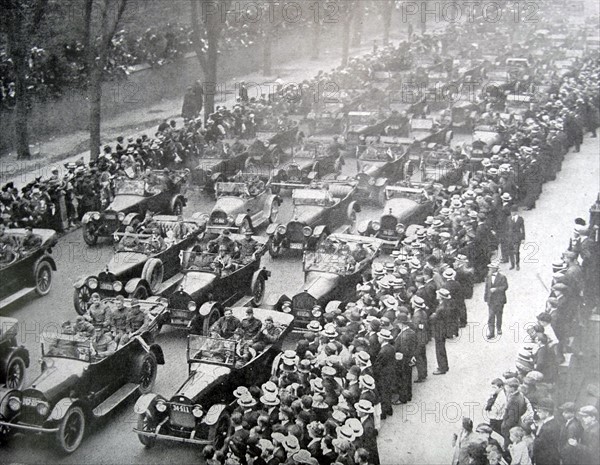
{"x": 302, "y": 313}
{"x": 297, "y": 246}
{"x": 28, "y": 401}
{"x": 180, "y": 408}
{"x": 219, "y": 221}
{"x": 106, "y": 286}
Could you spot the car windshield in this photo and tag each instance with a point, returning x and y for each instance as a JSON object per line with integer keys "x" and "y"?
{"x": 211, "y": 350}
{"x": 377, "y": 154}
{"x": 314, "y": 197}
{"x": 126, "y": 186}
{"x": 330, "y": 259}
{"x": 140, "y": 243}
{"x": 67, "y": 346}
{"x": 201, "y": 261}
{"x": 416, "y": 195}
{"x": 235, "y": 189}
{"x": 312, "y": 150}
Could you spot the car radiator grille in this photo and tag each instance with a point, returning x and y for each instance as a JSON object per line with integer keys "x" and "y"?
{"x": 182, "y": 419}
{"x": 294, "y": 232}
{"x": 218, "y": 218}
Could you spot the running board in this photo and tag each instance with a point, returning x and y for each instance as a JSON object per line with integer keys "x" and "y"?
{"x": 245, "y": 301}
{"x": 119, "y": 396}
{"x": 16, "y": 296}
{"x": 169, "y": 283}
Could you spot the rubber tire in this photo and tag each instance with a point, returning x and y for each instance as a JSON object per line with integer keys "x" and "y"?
{"x": 274, "y": 251}
{"x": 61, "y": 430}
{"x": 15, "y": 360}
{"x": 41, "y": 267}
{"x": 77, "y": 302}
{"x": 177, "y": 208}
{"x": 147, "y": 441}
{"x": 140, "y": 293}
{"x": 210, "y": 319}
{"x": 217, "y": 432}
{"x": 90, "y": 240}
{"x": 138, "y": 366}
{"x": 258, "y": 283}
{"x": 153, "y": 273}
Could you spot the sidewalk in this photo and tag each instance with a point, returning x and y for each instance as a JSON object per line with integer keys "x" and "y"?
{"x": 63, "y": 149}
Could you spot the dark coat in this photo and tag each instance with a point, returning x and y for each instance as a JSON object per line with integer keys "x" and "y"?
{"x": 515, "y": 230}
{"x": 546, "y": 444}
{"x": 498, "y": 296}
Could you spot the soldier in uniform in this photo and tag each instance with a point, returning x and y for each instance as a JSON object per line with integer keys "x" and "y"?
{"x": 103, "y": 344}
{"x": 30, "y": 241}
{"x": 118, "y": 319}
{"x": 98, "y": 313}
{"x": 137, "y": 320}
{"x": 248, "y": 247}
{"x": 225, "y": 326}
{"x": 250, "y": 325}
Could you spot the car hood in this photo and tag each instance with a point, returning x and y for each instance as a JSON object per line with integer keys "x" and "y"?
{"x": 124, "y": 202}
{"x": 197, "y": 281}
{"x": 230, "y": 205}
{"x": 400, "y": 207}
{"x": 319, "y": 284}
{"x": 121, "y": 262}
{"x": 307, "y": 214}
{"x": 202, "y": 378}
{"x": 59, "y": 377}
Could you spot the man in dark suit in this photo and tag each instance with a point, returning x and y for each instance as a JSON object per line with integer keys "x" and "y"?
{"x": 368, "y": 440}
{"x": 385, "y": 372}
{"x": 547, "y": 435}
{"x": 516, "y": 406}
{"x": 405, "y": 346}
{"x": 515, "y": 234}
{"x": 439, "y": 323}
{"x": 496, "y": 285}
{"x": 420, "y": 321}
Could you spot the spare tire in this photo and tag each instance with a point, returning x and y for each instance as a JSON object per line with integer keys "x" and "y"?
{"x": 340, "y": 191}
{"x": 153, "y": 274}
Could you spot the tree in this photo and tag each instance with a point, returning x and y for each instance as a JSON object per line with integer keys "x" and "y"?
{"x": 346, "y": 13}
{"x": 387, "y": 10}
{"x": 21, "y": 19}
{"x": 359, "y": 15}
{"x": 207, "y": 28}
{"x": 99, "y": 35}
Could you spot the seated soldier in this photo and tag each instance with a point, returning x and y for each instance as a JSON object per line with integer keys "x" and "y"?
{"x": 222, "y": 262}
{"x": 129, "y": 241}
{"x": 98, "y": 312}
{"x": 7, "y": 246}
{"x": 248, "y": 247}
{"x": 250, "y": 325}
{"x": 148, "y": 224}
{"x": 180, "y": 230}
{"x": 83, "y": 328}
{"x": 137, "y": 320}
{"x": 103, "y": 344}
{"x": 30, "y": 241}
{"x": 226, "y": 326}
{"x": 223, "y": 239}
{"x": 170, "y": 240}
{"x": 268, "y": 335}
{"x": 118, "y": 318}
{"x": 359, "y": 253}
{"x": 157, "y": 243}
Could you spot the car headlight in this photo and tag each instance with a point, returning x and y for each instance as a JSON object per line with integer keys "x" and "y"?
{"x": 317, "y": 313}
{"x": 375, "y": 225}
{"x": 400, "y": 228}
{"x": 197, "y": 411}
{"x": 286, "y": 308}
{"x": 192, "y": 306}
{"x": 92, "y": 283}
{"x": 42, "y": 409}
{"x": 117, "y": 286}
{"x": 121, "y": 216}
{"x": 307, "y": 231}
{"x": 281, "y": 230}
{"x": 14, "y": 403}
{"x": 371, "y": 182}
{"x": 96, "y": 216}
{"x": 230, "y": 219}
{"x": 161, "y": 406}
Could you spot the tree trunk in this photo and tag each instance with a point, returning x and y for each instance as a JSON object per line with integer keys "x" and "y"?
{"x": 358, "y": 23}
{"x": 95, "y": 95}
{"x": 388, "y": 10}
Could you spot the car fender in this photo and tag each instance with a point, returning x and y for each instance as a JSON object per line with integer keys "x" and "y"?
{"x": 273, "y": 301}
{"x": 320, "y": 229}
{"x": 176, "y": 198}
{"x": 312, "y": 176}
{"x": 215, "y": 176}
{"x": 143, "y": 403}
{"x": 271, "y": 199}
{"x": 45, "y": 258}
{"x": 265, "y": 273}
{"x": 333, "y": 306}
{"x": 213, "y": 414}
{"x": 87, "y": 218}
{"x": 4, "y": 395}
{"x": 129, "y": 218}
{"x": 21, "y": 351}
{"x": 272, "y": 229}
{"x": 158, "y": 353}
{"x": 207, "y": 307}
{"x": 61, "y": 408}
{"x": 239, "y": 219}
{"x": 380, "y": 182}
{"x": 80, "y": 283}
{"x": 135, "y": 282}
{"x": 364, "y": 227}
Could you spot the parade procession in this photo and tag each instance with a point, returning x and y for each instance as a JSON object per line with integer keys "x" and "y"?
{"x": 329, "y": 232}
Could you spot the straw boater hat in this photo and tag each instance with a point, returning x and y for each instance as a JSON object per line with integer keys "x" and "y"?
{"x": 364, "y": 406}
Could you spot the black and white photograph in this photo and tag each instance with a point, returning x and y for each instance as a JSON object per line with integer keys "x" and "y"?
{"x": 299, "y": 232}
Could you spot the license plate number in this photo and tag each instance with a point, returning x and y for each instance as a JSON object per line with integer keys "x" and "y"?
{"x": 297, "y": 246}
{"x": 180, "y": 408}
{"x": 303, "y": 313}
{"x": 106, "y": 287}
{"x": 30, "y": 402}
{"x": 219, "y": 221}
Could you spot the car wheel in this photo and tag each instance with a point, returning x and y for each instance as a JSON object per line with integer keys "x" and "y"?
{"x": 71, "y": 430}
{"x": 177, "y": 207}
{"x": 153, "y": 274}
{"x": 210, "y": 320}
{"x": 90, "y": 234}
{"x": 144, "y": 372}
{"x": 219, "y": 431}
{"x": 258, "y": 290}
{"x": 140, "y": 293}
{"x": 43, "y": 278}
{"x": 15, "y": 372}
{"x": 274, "y": 249}
{"x": 146, "y": 423}
{"x": 81, "y": 298}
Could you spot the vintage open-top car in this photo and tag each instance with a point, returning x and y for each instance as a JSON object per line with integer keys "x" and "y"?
{"x": 14, "y": 358}
{"x": 77, "y": 385}
{"x": 23, "y": 271}
{"x": 199, "y": 411}
{"x": 331, "y": 273}
{"x": 325, "y": 123}
{"x": 376, "y": 165}
{"x": 140, "y": 267}
{"x": 218, "y": 161}
{"x": 464, "y": 115}
{"x": 318, "y": 209}
{"x": 436, "y": 164}
{"x": 519, "y": 104}
{"x": 264, "y": 158}
{"x": 426, "y": 130}
{"x": 204, "y": 288}
{"x": 243, "y": 204}
{"x": 156, "y": 191}
{"x": 404, "y": 206}
{"x": 358, "y": 123}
